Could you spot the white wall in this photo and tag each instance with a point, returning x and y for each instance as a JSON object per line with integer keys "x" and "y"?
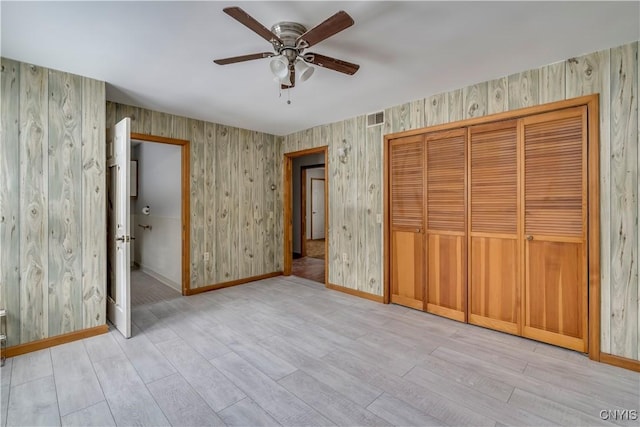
{"x": 158, "y": 251}
{"x": 311, "y": 173}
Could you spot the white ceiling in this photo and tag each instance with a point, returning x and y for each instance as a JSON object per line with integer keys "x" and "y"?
{"x": 159, "y": 55}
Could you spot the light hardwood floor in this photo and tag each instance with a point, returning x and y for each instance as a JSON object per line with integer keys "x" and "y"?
{"x": 286, "y": 351}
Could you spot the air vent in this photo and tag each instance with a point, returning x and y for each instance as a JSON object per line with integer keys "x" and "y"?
{"x": 375, "y": 119}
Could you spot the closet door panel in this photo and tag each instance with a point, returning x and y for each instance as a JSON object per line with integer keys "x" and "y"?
{"x": 446, "y": 223}
{"x": 554, "y": 269}
{"x": 406, "y": 172}
{"x": 446, "y": 275}
{"x": 407, "y": 269}
{"x": 555, "y": 222}
{"x": 494, "y": 256}
{"x": 494, "y": 290}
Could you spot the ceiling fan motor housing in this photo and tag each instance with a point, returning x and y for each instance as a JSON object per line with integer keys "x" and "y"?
{"x": 288, "y": 33}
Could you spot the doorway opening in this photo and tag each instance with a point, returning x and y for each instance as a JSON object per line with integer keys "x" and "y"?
{"x": 155, "y": 222}
{"x": 160, "y": 219}
{"x": 306, "y": 214}
{"x": 130, "y": 215}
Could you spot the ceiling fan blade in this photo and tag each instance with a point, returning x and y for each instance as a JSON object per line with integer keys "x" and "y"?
{"x": 326, "y": 29}
{"x": 248, "y": 21}
{"x": 243, "y": 58}
{"x": 332, "y": 63}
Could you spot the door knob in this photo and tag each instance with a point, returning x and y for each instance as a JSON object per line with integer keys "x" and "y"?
{"x": 529, "y": 237}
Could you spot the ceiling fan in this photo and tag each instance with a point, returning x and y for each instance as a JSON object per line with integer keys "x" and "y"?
{"x": 289, "y": 40}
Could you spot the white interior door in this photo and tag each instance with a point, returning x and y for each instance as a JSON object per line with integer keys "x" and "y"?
{"x": 119, "y": 238}
{"x": 317, "y": 208}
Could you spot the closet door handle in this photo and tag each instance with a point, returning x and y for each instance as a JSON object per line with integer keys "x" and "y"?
{"x": 529, "y": 237}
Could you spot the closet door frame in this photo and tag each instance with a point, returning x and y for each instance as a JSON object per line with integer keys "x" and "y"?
{"x": 593, "y": 197}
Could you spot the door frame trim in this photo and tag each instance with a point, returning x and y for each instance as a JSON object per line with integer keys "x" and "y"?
{"x": 185, "y": 187}
{"x": 287, "y": 208}
{"x": 593, "y": 202}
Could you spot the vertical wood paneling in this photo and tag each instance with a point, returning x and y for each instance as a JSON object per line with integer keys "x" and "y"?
{"x": 349, "y": 201}
{"x": 93, "y": 203}
{"x": 336, "y": 210}
{"x": 110, "y": 118}
{"x": 218, "y": 224}
{"x": 398, "y": 118}
{"x": 624, "y": 200}
{"x": 34, "y": 172}
{"x": 475, "y": 100}
{"x": 586, "y": 75}
{"x": 140, "y": 118}
{"x": 279, "y": 203}
{"x": 498, "y": 96}
{"x": 130, "y": 111}
{"x": 316, "y": 138}
{"x": 552, "y": 83}
{"x": 224, "y": 177}
{"x": 65, "y": 195}
{"x": 308, "y": 141}
{"x": 179, "y": 128}
{"x": 455, "y": 105}
{"x": 161, "y": 124}
{"x": 245, "y": 194}
{"x": 235, "y": 176}
{"x": 199, "y": 220}
{"x": 59, "y": 284}
{"x": 523, "y": 89}
{"x": 269, "y": 173}
{"x": 417, "y": 114}
{"x": 436, "y": 110}
{"x": 259, "y": 188}
{"x": 372, "y": 282}
{"x": 10, "y": 197}
{"x": 144, "y": 122}
{"x": 363, "y": 215}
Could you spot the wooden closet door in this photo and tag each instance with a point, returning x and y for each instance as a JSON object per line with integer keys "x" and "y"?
{"x": 555, "y": 222}
{"x": 406, "y": 172}
{"x": 494, "y": 255}
{"x": 446, "y": 227}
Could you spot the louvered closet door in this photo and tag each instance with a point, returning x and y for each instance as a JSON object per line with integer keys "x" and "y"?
{"x": 493, "y": 236}
{"x": 446, "y": 238}
{"x": 555, "y": 222}
{"x": 406, "y": 172}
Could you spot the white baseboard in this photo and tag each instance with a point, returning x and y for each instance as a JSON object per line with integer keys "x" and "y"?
{"x": 159, "y": 277}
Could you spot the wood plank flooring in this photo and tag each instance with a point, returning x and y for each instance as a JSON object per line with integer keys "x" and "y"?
{"x": 287, "y": 351}
{"x": 309, "y": 268}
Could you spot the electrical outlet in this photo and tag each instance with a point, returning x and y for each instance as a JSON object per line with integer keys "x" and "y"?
{"x": 379, "y": 218}
{"x": 206, "y": 256}
{"x": 344, "y": 257}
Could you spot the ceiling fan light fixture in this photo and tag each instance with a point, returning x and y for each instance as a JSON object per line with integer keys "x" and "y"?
{"x": 303, "y": 70}
{"x": 285, "y": 81}
{"x": 279, "y": 67}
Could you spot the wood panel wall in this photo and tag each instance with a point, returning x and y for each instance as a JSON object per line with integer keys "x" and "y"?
{"x": 229, "y": 164}
{"x": 233, "y": 209}
{"x": 355, "y": 179}
{"x": 52, "y": 202}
